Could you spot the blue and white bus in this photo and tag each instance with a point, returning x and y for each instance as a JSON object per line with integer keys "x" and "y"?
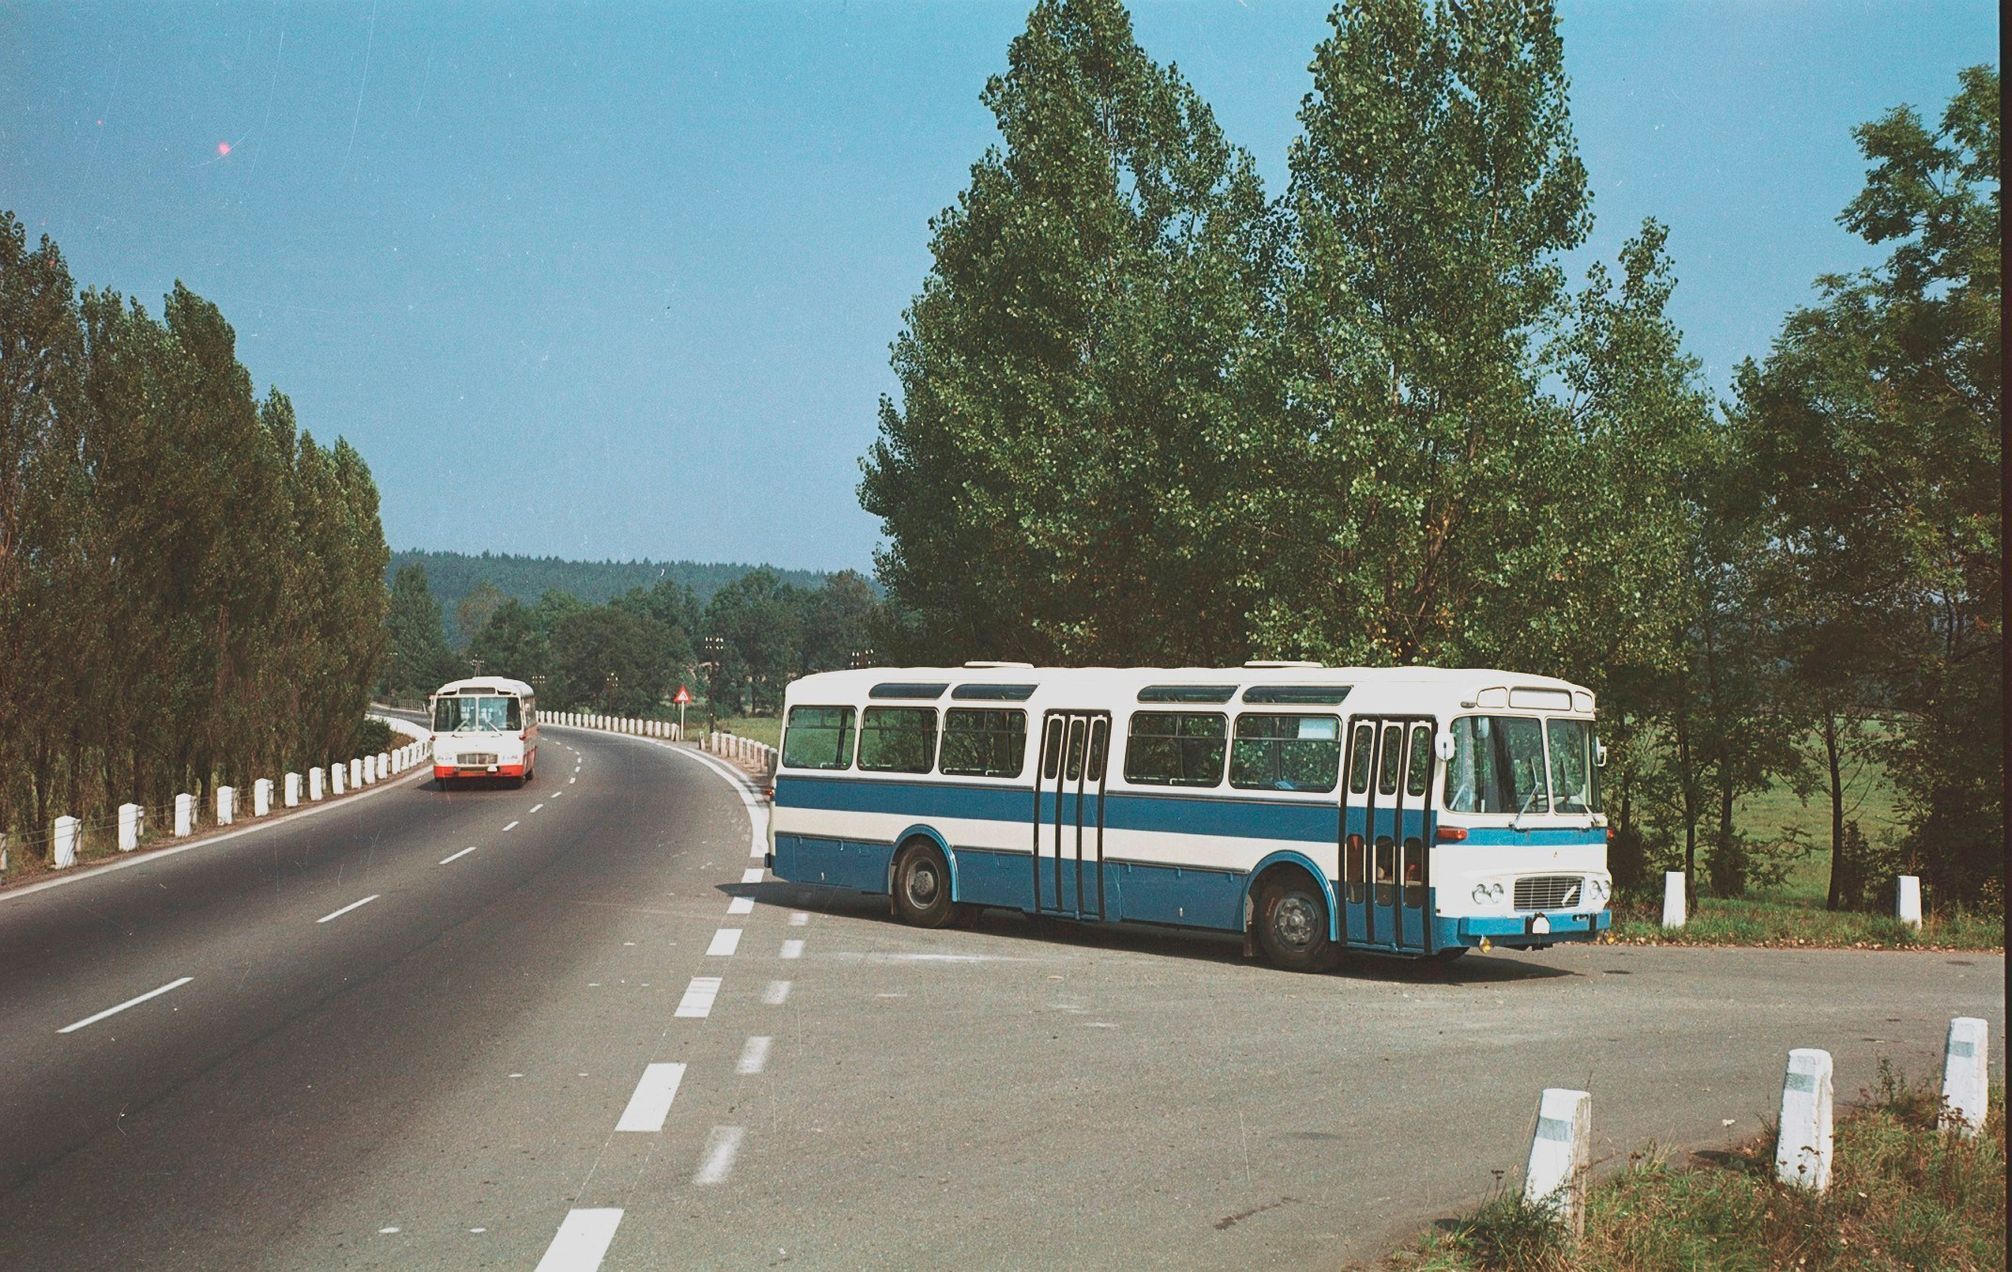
{"x": 1405, "y": 810}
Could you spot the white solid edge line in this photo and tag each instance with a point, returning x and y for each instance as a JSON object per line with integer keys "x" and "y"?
{"x": 651, "y": 1103}
{"x": 725, "y": 942}
{"x": 754, "y": 1055}
{"x": 511, "y": 826}
{"x": 351, "y": 906}
{"x": 456, "y": 856}
{"x": 741, "y": 905}
{"x": 272, "y": 822}
{"x": 718, "y": 1162}
{"x": 130, "y": 1002}
{"x": 582, "y": 1241}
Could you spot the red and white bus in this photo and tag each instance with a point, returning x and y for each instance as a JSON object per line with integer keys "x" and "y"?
{"x": 484, "y": 727}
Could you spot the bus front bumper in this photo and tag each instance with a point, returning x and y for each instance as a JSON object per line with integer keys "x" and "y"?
{"x": 445, "y": 771}
{"x": 1523, "y": 931}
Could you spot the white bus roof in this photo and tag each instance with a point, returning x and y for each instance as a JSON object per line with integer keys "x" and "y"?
{"x": 486, "y": 684}
{"x": 1451, "y": 686}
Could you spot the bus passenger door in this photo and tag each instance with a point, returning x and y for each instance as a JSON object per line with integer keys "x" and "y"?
{"x": 1069, "y": 814}
{"x": 1386, "y": 833}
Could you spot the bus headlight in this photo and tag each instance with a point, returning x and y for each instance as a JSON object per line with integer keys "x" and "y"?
{"x": 1495, "y": 891}
{"x": 1598, "y": 889}
{"x": 1480, "y": 894}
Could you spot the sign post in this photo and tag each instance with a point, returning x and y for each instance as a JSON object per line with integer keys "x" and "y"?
{"x": 684, "y": 696}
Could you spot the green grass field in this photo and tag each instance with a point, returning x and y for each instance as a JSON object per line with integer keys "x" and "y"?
{"x": 1778, "y": 813}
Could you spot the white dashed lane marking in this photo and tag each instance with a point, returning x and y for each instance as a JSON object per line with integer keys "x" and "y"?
{"x": 741, "y": 905}
{"x": 718, "y": 1161}
{"x": 725, "y": 942}
{"x": 336, "y": 914}
{"x": 797, "y": 918}
{"x": 582, "y": 1241}
{"x": 754, "y": 1055}
{"x": 753, "y": 874}
{"x": 792, "y": 949}
{"x": 651, "y": 1103}
{"x": 130, "y": 1002}
{"x": 511, "y": 826}
{"x": 698, "y": 1000}
{"x": 536, "y": 807}
{"x": 776, "y": 994}
{"x": 455, "y": 856}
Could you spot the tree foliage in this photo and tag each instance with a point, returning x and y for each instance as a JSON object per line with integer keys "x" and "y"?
{"x": 1147, "y": 417}
{"x": 1877, "y": 418}
{"x": 190, "y": 587}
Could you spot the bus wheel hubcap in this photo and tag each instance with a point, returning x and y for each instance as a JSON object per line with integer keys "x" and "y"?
{"x": 922, "y": 885}
{"x": 1294, "y": 921}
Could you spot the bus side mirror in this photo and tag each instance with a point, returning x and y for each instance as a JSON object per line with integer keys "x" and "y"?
{"x": 1442, "y": 745}
{"x": 1599, "y": 755}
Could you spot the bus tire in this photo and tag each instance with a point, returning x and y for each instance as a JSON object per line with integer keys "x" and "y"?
{"x": 1291, "y": 920}
{"x": 1451, "y": 953}
{"x": 922, "y": 885}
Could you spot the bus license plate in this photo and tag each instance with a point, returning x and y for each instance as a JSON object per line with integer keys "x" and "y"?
{"x": 1542, "y": 923}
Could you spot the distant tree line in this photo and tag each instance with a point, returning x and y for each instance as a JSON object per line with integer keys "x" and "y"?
{"x": 454, "y": 576}
{"x": 1149, "y": 415}
{"x": 191, "y": 588}
{"x": 735, "y": 653}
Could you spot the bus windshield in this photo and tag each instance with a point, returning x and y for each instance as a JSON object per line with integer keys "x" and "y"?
{"x": 1498, "y": 766}
{"x": 477, "y": 715}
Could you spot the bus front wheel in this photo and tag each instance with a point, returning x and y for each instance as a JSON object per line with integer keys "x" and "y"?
{"x": 1291, "y": 924}
{"x": 922, "y": 886}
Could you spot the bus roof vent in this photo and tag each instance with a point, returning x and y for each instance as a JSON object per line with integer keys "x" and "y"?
{"x": 986, "y": 662}
{"x": 1277, "y": 664}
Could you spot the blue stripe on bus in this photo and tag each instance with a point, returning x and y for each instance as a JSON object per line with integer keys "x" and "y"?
{"x": 1225, "y": 815}
{"x": 1182, "y": 896}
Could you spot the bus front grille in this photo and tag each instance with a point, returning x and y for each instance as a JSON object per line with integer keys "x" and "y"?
{"x": 489, "y": 757}
{"x": 1548, "y": 892}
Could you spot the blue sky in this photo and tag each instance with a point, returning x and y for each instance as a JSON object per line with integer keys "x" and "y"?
{"x": 620, "y": 281}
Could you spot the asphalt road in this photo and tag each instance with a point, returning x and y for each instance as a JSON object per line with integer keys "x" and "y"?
{"x": 511, "y": 1052}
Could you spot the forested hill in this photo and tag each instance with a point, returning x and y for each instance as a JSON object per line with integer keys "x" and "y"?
{"x": 452, "y": 575}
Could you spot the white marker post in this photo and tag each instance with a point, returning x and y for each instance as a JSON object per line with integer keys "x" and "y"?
{"x": 1673, "y": 898}
{"x": 132, "y": 819}
{"x": 290, "y": 790}
{"x": 262, "y": 797}
{"x": 1907, "y": 901}
{"x": 383, "y": 765}
{"x": 65, "y": 842}
{"x": 185, "y": 815}
{"x": 314, "y": 783}
{"x": 1561, "y": 1157}
{"x": 1803, "y": 1146}
{"x": 1965, "y": 1070}
{"x": 336, "y": 775}
{"x": 227, "y": 805}
{"x": 355, "y": 774}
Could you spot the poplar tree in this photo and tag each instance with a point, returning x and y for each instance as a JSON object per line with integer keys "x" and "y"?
{"x": 1052, "y": 479}
{"x": 1435, "y": 185}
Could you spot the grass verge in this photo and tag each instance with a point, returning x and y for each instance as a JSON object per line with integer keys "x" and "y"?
{"x": 1792, "y": 925}
{"x": 1902, "y": 1195}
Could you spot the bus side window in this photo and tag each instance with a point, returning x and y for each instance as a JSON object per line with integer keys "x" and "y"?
{"x": 1418, "y": 774}
{"x": 897, "y": 739}
{"x": 1359, "y": 759}
{"x": 1393, "y": 759}
{"x": 818, "y": 738}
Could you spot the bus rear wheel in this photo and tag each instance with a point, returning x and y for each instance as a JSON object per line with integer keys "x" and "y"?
{"x": 1291, "y": 922}
{"x": 922, "y": 886}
